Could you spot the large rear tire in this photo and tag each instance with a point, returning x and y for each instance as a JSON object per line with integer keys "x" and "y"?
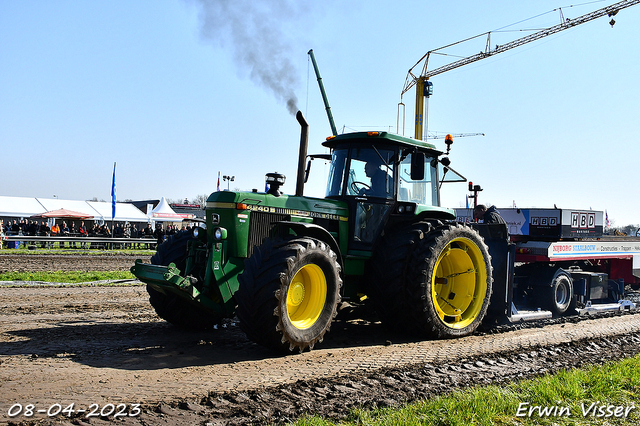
{"x": 442, "y": 288}
{"x": 171, "y": 307}
{"x": 385, "y": 281}
{"x": 289, "y": 293}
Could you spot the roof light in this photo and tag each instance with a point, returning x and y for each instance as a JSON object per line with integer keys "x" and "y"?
{"x": 275, "y": 177}
{"x": 330, "y": 137}
{"x": 373, "y": 133}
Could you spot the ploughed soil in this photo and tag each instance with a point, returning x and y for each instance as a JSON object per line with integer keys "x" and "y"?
{"x": 78, "y": 261}
{"x": 104, "y": 350}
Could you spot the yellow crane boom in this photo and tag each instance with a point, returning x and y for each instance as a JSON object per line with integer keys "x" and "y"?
{"x": 420, "y": 80}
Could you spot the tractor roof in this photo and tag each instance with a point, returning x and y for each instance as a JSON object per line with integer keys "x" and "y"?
{"x": 377, "y": 138}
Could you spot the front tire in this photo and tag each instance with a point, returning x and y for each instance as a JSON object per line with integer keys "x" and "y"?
{"x": 169, "y": 306}
{"x": 289, "y": 293}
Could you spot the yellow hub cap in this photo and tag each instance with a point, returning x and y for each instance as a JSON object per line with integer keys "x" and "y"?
{"x": 306, "y": 296}
{"x": 459, "y": 284}
{"x": 296, "y": 294}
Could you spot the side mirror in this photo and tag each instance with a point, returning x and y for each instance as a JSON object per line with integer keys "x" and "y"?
{"x": 417, "y": 166}
{"x": 306, "y": 172}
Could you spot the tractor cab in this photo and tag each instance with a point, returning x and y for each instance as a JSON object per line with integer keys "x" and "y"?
{"x": 385, "y": 178}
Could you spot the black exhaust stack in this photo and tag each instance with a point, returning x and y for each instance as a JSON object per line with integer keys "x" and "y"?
{"x": 304, "y": 142}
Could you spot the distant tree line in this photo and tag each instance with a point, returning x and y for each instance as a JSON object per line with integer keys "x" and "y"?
{"x": 633, "y": 230}
{"x": 198, "y": 199}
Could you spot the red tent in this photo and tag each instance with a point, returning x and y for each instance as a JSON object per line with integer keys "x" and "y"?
{"x": 63, "y": 214}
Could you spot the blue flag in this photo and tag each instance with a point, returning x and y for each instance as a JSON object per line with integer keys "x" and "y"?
{"x": 113, "y": 193}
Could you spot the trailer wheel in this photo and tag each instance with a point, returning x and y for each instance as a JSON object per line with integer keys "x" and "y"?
{"x": 559, "y": 298}
{"x": 289, "y": 293}
{"x": 170, "y": 307}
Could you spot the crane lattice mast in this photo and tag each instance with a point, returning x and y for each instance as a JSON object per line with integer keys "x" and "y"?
{"x": 419, "y": 81}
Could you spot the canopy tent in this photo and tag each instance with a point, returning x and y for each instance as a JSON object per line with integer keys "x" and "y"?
{"x": 51, "y": 204}
{"x": 62, "y": 214}
{"x": 125, "y": 212}
{"x": 25, "y": 207}
{"x": 164, "y": 213}
{"x": 20, "y": 207}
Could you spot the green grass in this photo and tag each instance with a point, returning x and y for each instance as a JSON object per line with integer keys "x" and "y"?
{"x": 66, "y": 277}
{"x": 566, "y": 395}
{"x": 72, "y": 276}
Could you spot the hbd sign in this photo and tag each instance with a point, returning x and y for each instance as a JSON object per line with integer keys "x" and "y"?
{"x": 583, "y": 220}
{"x": 544, "y": 221}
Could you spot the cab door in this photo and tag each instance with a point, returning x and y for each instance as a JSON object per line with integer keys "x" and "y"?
{"x": 370, "y": 191}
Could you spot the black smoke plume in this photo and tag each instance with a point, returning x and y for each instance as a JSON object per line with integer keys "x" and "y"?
{"x": 255, "y": 33}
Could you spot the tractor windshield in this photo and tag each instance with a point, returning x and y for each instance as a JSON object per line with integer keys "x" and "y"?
{"x": 366, "y": 171}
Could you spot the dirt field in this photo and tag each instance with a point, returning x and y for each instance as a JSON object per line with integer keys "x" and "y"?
{"x": 103, "y": 350}
{"x": 75, "y": 262}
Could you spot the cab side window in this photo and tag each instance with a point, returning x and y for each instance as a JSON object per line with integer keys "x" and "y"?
{"x": 416, "y": 191}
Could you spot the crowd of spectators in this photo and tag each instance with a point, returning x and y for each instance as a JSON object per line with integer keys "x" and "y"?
{"x": 120, "y": 230}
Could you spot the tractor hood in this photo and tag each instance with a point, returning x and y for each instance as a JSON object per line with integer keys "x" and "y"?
{"x": 297, "y": 207}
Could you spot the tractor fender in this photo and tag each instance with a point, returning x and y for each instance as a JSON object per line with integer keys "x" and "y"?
{"x": 303, "y": 229}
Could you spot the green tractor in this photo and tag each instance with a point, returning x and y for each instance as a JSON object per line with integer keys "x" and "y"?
{"x": 283, "y": 263}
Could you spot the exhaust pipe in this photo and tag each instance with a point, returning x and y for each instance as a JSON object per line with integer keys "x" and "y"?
{"x": 304, "y": 142}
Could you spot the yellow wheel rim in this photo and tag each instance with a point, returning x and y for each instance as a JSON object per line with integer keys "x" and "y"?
{"x": 459, "y": 285}
{"x": 306, "y": 296}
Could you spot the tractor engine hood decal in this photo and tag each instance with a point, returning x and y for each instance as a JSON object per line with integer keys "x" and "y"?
{"x": 279, "y": 210}
{"x": 293, "y": 212}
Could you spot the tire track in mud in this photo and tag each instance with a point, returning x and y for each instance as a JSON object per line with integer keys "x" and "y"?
{"x": 389, "y": 387}
{"x": 221, "y": 378}
{"x": 105, "y": 345}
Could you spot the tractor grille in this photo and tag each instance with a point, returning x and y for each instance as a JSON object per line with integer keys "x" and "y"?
{"x": 262, "y": 226}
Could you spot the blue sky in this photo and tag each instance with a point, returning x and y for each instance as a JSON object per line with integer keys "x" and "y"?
{"x": 176, "y": 90}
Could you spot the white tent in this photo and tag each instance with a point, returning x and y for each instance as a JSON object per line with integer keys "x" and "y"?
{"x": 25, "y": 207}
{"x": 164, "y": 213}
{"x": 125, "y": 212}
{"x": 76, "y": 205}
{"x": 20, "y": 207}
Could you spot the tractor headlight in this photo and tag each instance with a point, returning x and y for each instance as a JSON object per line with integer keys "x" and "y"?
{"x": 220, "y": 234}
{"x": 406, "y": 208}
{"x": 199, "y": 232}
